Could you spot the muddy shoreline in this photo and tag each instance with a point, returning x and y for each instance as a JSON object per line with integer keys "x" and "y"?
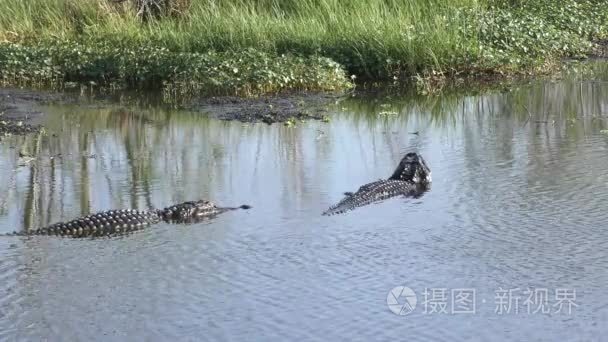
{"x": 20, "y": 113}
{"x": 18, "y": 110}
{"x": 268, "y": 109}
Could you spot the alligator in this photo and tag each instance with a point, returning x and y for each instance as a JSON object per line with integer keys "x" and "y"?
{"x": 115, "y": 222}
{"x": 412, "y": 178}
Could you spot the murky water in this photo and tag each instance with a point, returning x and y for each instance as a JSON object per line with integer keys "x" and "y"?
{"x": 518, "y": 201}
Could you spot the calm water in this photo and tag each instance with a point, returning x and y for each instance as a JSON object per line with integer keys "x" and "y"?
{"x": 518, "y": 201}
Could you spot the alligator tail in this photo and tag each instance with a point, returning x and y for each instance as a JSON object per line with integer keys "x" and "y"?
{"x": 345, "y": 206}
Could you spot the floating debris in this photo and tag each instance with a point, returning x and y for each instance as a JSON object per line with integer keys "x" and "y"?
{"x": 14, "y": 127}
{"x": 387, "y": 112}
{"x": 291, "y": 122}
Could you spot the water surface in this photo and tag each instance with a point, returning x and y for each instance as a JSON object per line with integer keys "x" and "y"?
{"x": 518, "y": 201}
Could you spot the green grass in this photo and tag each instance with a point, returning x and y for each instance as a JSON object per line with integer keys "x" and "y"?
{"x": 371, "y": 39}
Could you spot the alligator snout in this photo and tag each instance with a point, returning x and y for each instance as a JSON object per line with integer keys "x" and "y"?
{"x": 412, "y": 168}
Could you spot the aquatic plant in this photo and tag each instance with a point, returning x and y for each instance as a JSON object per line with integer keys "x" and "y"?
{"x": 180, "y": 74}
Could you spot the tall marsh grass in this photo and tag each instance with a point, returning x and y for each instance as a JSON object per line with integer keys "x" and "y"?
{"x": 371, "y": 39}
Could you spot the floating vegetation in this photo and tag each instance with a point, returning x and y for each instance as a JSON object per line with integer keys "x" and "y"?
{"x": 387, "y": 113}
{"x": 15, "y": 127}
{"x": 291, "y": 122}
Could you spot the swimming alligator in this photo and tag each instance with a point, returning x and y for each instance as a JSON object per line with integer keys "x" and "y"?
{"x": 114, "y": 222}
{"x": 412, "y": 178}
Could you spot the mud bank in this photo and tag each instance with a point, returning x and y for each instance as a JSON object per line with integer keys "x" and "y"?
{"x": 269, "y": 109}
{"x": 21, "y": 113}
{"x": 18, "y": 113}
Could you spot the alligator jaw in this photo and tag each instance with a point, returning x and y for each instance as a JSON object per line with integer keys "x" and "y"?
{"x": 412, "y": 168}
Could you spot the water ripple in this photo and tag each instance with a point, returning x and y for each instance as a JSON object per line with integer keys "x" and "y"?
{"x": 514, "y": 203}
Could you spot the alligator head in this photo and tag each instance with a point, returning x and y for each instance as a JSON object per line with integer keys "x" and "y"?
{"x": 190, "y": 211}
{"x": 412, "y": 168}
{"x": 193, "y": 211}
